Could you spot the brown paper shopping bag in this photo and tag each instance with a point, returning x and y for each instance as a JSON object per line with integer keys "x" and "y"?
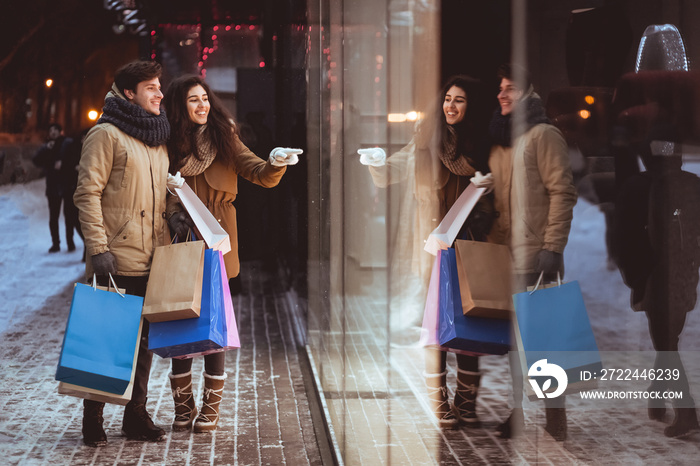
{"x": 485, "y": 284}
{"x": 174, "y": 289}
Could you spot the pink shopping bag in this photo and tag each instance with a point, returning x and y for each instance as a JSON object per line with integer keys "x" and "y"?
{"x": 429, "y": 331}
{"x": 231, "y": 338}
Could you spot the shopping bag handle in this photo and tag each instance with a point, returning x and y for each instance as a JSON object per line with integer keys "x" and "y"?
{"x": 190, "y": 236}
{"x": 111, "y": 278}
{"x": 539, "y": 281}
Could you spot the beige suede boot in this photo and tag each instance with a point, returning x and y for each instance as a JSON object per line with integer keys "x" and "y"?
{"x": 211, "y": 399}
{"x": 185, "y": 408}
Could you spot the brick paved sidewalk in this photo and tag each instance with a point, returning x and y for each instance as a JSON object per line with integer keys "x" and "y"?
{"x": 265, "y": 413}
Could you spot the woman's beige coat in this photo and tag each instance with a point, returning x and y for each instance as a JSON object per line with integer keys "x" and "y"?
{"x": 428, "y": 184}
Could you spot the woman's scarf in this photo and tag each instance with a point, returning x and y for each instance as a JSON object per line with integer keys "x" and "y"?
{"x": 501, "y": 127}
{"x": 154, "y": 130}
{"x": 193, "y": 166}
{"x": 454, "y": 160}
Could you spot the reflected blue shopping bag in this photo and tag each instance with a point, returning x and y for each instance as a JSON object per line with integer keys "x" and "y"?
{"x": 455, "y": 330}
{"x": 101, "y": 339}
{"x": 553, "y": 324}
{"x": 206, "y": 332}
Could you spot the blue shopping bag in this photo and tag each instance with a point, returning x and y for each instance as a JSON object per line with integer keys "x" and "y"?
{"x": 101, "y": 339}
{"x": 553, "y": 324}
{"x": 199, "y": 334}
{"x": 455, "y": 330}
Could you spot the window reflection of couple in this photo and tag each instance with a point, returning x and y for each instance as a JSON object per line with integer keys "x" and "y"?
{"x": 450, "y": 149}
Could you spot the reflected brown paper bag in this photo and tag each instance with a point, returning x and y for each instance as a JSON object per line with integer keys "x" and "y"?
{"x": 174, "y": 289}
{"x": 485, "y": 279}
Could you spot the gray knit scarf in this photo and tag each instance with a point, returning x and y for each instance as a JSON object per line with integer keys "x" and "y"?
{"x": 153, "y": 130}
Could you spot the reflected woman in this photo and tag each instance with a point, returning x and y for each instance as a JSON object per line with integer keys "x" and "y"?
{"x": 448, "y": 148}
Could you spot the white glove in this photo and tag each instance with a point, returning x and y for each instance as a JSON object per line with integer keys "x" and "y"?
{"x": 174, "y": 181}
{"x": 483, "y": 181}
{"x": 375, "y": 156}
{"x": 281, "y": 156}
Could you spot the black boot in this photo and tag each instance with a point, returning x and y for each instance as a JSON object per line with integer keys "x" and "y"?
{"x": 556, "y": 423}
{"x": 514, "y": 425}
{"x": 55, "y": 248}
{"x": 137, "y": 424}
{"x": 684, "y": 424}
{"x": 93, "y": 433}
{"x": 465, "y": 397}
{"x": 656, "y": 411}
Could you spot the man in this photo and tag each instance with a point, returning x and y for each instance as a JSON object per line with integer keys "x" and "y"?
{"x": 535, "y": 196}
{"x": 121, "y": 196}
{"x": 50, "y": 159}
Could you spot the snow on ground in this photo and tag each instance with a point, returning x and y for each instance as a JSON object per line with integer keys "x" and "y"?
{"x": 28, "y": 273}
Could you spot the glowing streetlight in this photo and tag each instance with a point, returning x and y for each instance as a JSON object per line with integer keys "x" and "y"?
{"x": 49, "y": 82}
{"x": 92, "y": 115}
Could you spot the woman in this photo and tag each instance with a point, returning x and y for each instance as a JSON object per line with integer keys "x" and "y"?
{"x": 206, "y": 149}
{"x": 447, "y": 150}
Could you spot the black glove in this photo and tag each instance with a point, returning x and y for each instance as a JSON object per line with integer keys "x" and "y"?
{"x": 180, "y": 223}
{"x": 549, "y": 262}
{"x": 104, "y": 263}
{"x": 478, "y": 225}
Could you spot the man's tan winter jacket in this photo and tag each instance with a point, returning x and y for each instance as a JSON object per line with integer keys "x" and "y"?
{"x": 534, "y": 195}
{"x": 121, "y": 197}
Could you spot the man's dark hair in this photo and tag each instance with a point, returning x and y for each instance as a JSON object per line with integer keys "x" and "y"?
{"x": 55, "y": 125}
{"x": 129, "y": 75}
{"x": 515, "y": 73}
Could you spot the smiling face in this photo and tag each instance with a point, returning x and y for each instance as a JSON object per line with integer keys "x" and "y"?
{"x": 147, "y": 95}
{"x": 508, "y": 96}
{"x": 198, "y": 104}
{"x": 455, "y": 105}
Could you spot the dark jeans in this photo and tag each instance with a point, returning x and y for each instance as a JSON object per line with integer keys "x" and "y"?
{"x": 665, "y": 329}
{"x": 70, "y": 214}
{"x": 213, "y": 364}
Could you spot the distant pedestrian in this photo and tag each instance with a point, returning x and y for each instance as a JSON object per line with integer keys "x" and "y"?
{"x": 658, "y": 216}
{"x": 205, "y": 147}
{"x": 121, "y": 196}
{"x": 69, "y": 177}
{"x": 49, "y": 158}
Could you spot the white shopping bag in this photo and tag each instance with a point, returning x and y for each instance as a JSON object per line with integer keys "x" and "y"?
{"x": 205, "y": 223}
{"x": 444, "y": 235}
